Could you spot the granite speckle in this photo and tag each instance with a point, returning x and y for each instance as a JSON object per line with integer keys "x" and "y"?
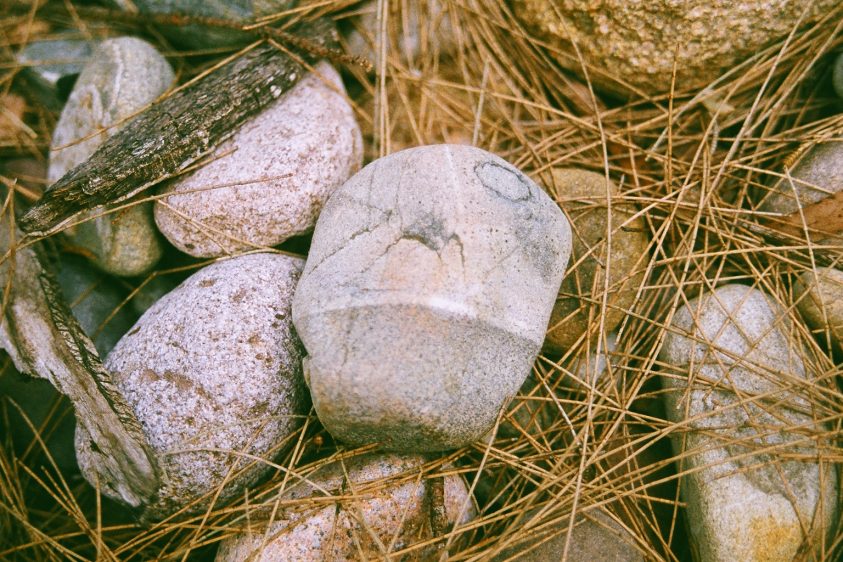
{"x": 425, "y": 296}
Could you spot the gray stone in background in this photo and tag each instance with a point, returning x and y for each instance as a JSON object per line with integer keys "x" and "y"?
{"x": 51, "y": 66}
{"x": 596, "y": 537}
{"x": 270, "y": 180}
{"x": 837, "y": 75}
{"x": 426, "y": 295}
{"x": 398, "y": 515}
{"x": 817, "y": 174}
{"x": 743, "y": 504}
{"x": 819, "y": 298}
{"x": 213, "y": 364}
{"x": 93, "y": 297}
{"x": 201, "y": 37}
{"x": 124, "y": 76}
{"x": 152, "y": 291}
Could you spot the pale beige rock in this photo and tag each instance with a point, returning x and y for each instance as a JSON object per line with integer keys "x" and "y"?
{"x": 820, "y": 300}
{"x": 597, "y": 536}
{"x": 583, "y": 195}
{"x": 212, "y": 367}
{"x": 637, "y": 42}
{"x": 426, "y": 295}
{"x": 123, "y": 77}
{"x": 744, "y": 503}
{"x": 381, "y": 519}
{"x": 270, "y": 180}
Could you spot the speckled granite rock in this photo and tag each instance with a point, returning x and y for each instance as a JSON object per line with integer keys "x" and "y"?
{"x": 583, "y": 196}
{"x": 837, "y": 75}
{"x": 744, "y": 504}
{"x": 306, "y": 145}
{"x": 203, "y": 37}
{"x": 95, "y": 300}
{"x": 394, "y": 517}
{"x": 425, "y": 296}
{"x": 820, "y": 300}
{"x": 124, "y": 76}
{"x": 51, "y": 66}
{"x": 214, "y": 364}
{"x": 817, "y": 173}
{"x": 636, "y": 42}
{"x": 596, "y": 537}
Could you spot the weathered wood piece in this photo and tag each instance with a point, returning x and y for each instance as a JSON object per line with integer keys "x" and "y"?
{"x": 175, "y": 132}
{"x": 43, "y": 338}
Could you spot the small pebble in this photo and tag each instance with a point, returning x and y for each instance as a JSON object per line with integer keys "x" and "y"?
{"x": 51, "y": 66}
{"x": 123, "y": 77}
{"x": 379, "y": 521}
{"x": 820, "y": 300}
{"x": 214, "y": 365}
{"x": 597, "y": 536}
{"x": 822, "y": 166}
{"x": 583, "y": 196}
{"x": 270, "y": 180}
{"x": 426, "y": 295}
{"x": 743, "y": 504}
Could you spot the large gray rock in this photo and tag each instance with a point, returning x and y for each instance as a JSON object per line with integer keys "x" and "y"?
{"x": 270, "y": 180}
{"x": 747, "y": 497}
{"x": 426, "y": 295}
{"x": 51, "y": 66}
{"x": 212, "y": 368}
{"x": 123, "y": 77}
{"x": 384, "y": 517}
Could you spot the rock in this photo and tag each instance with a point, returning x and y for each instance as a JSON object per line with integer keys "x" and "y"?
{"x": 637, "y": 42}
{"x": 837, "y": 75}
{"x": 424, "y": 301}
{"x": 51, "y": 66}
{"x": 583, "y": 196}
{"x": 817, "y": 173}
{"x": 589, "y": 369}
{"x": 306, "y": 145}
{"x": 96, "y": 302}
{"x": 745, "y": 500}
{"x": 820, "y": 300}
{"x": 206, "y": 37}
{"x": 124, "y": 76}
{"x": 215, "y": 365}
{"x": 427, "y": 29}
{"x": 392, "y": 516}
{"x": 596, "y": 536}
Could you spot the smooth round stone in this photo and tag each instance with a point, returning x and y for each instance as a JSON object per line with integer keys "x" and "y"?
{"x": 638, "y": 42}
{"x": 208, "y": 37}
{"x": 819, "y": 298}
{"x": 746, "y": 500}
{"x": 394, "y": 516}
{"x": 596, "y": 536}
{"x": 817, "y": 174}
{"x": 837, "y": 75}
{"x": 123, "y": 77}
{"x": 583, "y": 195}
{"x": 425, "y": 297}
{"x": 96, "y": 302}
{"x": 270, "y": 180}
{"x": 51, "y": 66}
{"x": 213, "y": 366}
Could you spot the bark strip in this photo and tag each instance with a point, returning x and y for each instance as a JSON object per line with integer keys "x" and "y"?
{"x": 175, "y": 132}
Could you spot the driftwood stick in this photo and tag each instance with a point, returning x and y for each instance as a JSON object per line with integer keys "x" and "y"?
{"x": 43, "y": 338}
{"x": 175, "y": 132}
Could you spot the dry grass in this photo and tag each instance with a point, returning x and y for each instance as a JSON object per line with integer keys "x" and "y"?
{"x": 695, "y": 165}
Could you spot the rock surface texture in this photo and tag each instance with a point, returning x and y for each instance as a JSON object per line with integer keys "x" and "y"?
{"x": 585, "y": 195}
{"x": 820, "y": 300}
{"x": 745, "y": 500}
{"x": 379, "y": 520}
{"x": 426, "y": 295}
{"x": 212, "y": 367}
{"x": 637, "y": 42}
{"x": 123, "y": 77}
{"x": 270, "y": 180}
